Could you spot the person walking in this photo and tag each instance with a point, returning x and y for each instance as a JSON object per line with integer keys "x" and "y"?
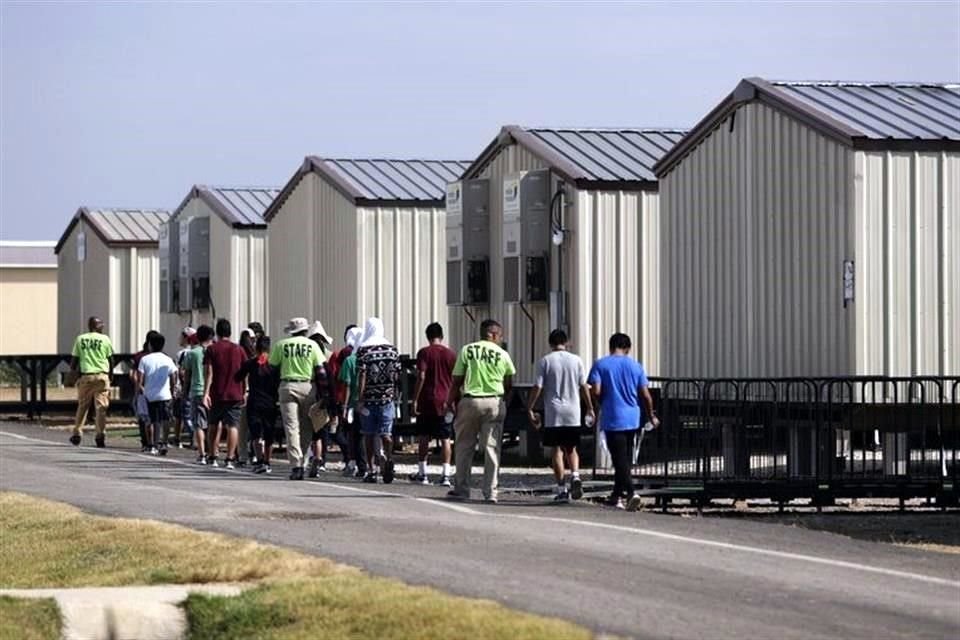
{"x": 350, "y": 418}
{"x": 620, "y": 383}
{"x": 182, "y": 412}
{"x": 562, "y": 380}
{"x": 193, "y": 384}
{"x": 263, "y": 382}
{"x": 435, "y": 364}
{"x": 299, "y": 360}
{"x": 222, "y": 394}
{"x": 247, "y": 342}
{"x": 141, "y": 407}
{"x": 157, "y": 378}
{"x": 378, "y": 367}
{"x": 482, "y": 380}
{"x": 93, "y": 360}
{"x": 324, "y": 414}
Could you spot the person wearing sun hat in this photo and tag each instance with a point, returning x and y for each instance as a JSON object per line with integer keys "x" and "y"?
{"x": 300, "y": 361}
{"x": 324, "y": 416}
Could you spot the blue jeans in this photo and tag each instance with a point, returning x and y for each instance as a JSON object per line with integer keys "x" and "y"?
{"x": 378, "y": 421}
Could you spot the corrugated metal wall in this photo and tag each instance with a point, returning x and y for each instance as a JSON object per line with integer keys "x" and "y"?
{"x": 907, "y": 227}
{"x": 87, "y": 289}
{"x": 134, "y": 296}
{"x": 756, "y": 223}
{"x": 613, "y": 273}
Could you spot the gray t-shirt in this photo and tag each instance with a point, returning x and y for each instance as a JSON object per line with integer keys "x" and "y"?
{"x": 560, "y": 374}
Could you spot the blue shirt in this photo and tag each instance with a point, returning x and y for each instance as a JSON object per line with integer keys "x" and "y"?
{"x": 620, "y": 379}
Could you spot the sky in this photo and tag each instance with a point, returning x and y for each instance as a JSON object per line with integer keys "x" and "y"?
{"x": 131, "y": 104}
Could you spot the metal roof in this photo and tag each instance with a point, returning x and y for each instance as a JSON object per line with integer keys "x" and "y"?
{"x": 375, "y": 182}
{"x": 863, "y": 115}
{"x": 120, "y": 227}
{"x": 27, "y": 254}
{"x": 591, "y": 158}
{"x": 239, "y": 207}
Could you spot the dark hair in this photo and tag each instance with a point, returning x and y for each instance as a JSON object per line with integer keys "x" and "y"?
{"x": 487, "y": 327}
{"x": 247, "y": 341}
{"x": 223, "y": 328}
{"x": 257, "y": 328}
{"x": 620, "y": 341}
{"x": 263, "y": 343}
{"x": 434, "y": 331}
{"x": 150, "y": 335}
{"x": 558, "y": 337}
{"x": 347, "y": 330}
{"x": 204, "y": 333}
{"x": 156, "y": 342}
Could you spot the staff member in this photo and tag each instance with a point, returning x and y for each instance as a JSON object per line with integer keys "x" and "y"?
{"x": 482, "y": 378}
{"x": 299, "y": 360}
{"x": 92, "y": 353}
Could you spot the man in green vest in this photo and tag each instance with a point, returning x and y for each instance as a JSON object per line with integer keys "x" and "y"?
{"x": 92, "y": 358}
{"x": 300, "y": 361}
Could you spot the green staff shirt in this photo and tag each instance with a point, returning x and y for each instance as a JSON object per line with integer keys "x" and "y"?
{"x": 193, "y": 362}
{"x": 349, "y": 377}
{"x": 93, "y": 350}
{"x": 296, "y": 358}
{"x": 483, "y": 365}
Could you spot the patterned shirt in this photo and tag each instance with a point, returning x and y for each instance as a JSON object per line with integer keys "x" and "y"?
{"x": 381, "y": 364}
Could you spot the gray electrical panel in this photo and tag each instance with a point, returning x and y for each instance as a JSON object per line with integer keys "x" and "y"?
{"x": 468, "y": 242}
{"x": 194, "y": 268}
{"x": 169, "y": 267}
{"x": 526, "y": 236}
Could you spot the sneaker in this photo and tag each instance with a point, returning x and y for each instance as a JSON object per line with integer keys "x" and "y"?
{"x": 75, "y": 440}
{"x": 388, "y": 474}
{"x": 201, "y": 459}
{"x": 100, "y": 441}
{"x": 360, "y": 473}
{"x": 562, "y": 496}
{"x": 576, "y": 488}
{"x": 634, "y": 503}
{"x": 296, "y": 473}
{"x": 315, "y": 468}
{"x": 350, "y": 469}
{"x": 490, "y": 500}
{"x": 370, "y": 478}
{"x": 453, "y": 494}
{"x": 259, "y": 468}
{"x": 213, "y": 462}
{"x": 163, "y": 450}
{"x": 179, "y": 445}
{"x": 267, "y": 469}
{"x": 153, "y": 451}
{"x": 418, "y": 477}
{"x": 321, "y": 468}
{"x": 446, "y": 482}
{"x": 231, "y": 464}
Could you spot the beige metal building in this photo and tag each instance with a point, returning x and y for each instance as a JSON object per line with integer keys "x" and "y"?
{"x": 28, "y": 298}
{"x": 813, "y": 229}
{"x": 593, "y": 191}
{"x": 351, "y": 239}
{"x": 213, "y": 259}
{"x": 107, "y": 266}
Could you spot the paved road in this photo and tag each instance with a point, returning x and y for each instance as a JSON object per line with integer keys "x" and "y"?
{"x": 636, "y": 575}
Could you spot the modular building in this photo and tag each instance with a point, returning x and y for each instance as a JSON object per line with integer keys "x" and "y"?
{"x": 28, "y": 295}
{"x": 559, "y": 228}
{"x": 813, "y": 229}
{"x": 107, "y": 266}
{"x": 213, "y": 259}
{"x": 350, "y": 239}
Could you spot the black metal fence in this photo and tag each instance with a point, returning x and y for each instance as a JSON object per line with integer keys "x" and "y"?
{"x": 816, "y": 438}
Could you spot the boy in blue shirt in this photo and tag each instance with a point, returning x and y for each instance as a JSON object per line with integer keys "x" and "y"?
{"x": 620, "y": 385}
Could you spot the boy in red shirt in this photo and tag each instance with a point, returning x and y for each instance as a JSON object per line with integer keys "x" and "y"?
{"x": 223, "y": 393}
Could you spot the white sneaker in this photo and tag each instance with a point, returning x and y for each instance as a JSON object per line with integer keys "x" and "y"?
{"x": 214, "y": 463}
{"x": 267, "y": 469}
{"x": 562, "y": 496}
{"x": 350, "y": 469}
{"x": 445, "y": 481}
{"x": 202, "y": 460}
{"x": 230, "y": 464}
{"x": 153, "y": 451}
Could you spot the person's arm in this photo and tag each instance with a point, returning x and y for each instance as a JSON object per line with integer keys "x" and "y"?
{"x": 531, "y": 403}
{"x": 241, "y": 374}
{"x": 587, "y": 401}
{"x": 361, "y": 388}
{"x": 647, "y": 401}
{"x": 138, "y": 377}
{"x": 507, "y": 388}
{"x": 207, "y": 381}
{"x": 421, "y": 381}
{"x": 453, "y": 399}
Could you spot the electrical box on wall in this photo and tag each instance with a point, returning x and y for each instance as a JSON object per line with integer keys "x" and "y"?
{"x": 194, "y": 267}
{"x": 468, "y": 242}
{"x": 526, "y": 236}
{"x": 169, "y": 267}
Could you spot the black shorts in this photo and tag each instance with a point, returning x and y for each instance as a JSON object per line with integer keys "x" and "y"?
{"x": 159, "y": 411}
{"x": 226, "y": 412}
{"x": 262, "y": 424}
{"x": 198, "y": 413}
{"x": 434, "y": 426}
{"x": 561, "y": 437}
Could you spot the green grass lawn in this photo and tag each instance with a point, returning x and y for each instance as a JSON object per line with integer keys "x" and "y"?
{"x": 292, "y": 595}
{"x": 29, "y": 619}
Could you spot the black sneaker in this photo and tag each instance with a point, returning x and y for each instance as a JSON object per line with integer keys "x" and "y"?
{"x": 388, "y": 472}
{"x": 314, "y": 469}
{"x": 100, "y": 441}
{"x": 576, "y": 488}
{"x": 453, "y": 494}
{"x": 370, "y": 478}
{"x": 163, "y": 449}
{"x": 296, "y": 473}
{"x": 75, "y": 440}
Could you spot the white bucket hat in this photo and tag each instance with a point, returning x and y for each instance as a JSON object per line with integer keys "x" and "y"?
{"x": 296, "y": 325}
{"x": 317, "y": 329}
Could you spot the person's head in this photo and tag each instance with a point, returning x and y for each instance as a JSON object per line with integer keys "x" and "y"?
{"x": 223, "y": 328}
{"x": 263, "y": 344}
{"x": 434, "y": 332}
{"x": 156, "y": 342}
{"x": 187, "y": 336}
{"x": 248, "y": 340}
{"x": 558, "y": 339}
{"x": 491, "y": 330}
{"x": 297, "y": 327}
{"x": 148, "y": 337}
{"x": 346, "y": 333}
{"x": 373, "y": 333}
{"x": 318, "y": 334}
{"x": 257, "y": 329}
{"x": 353, "y": 337}
{"x": 204, "y": 334}
{"x": 95, "y": 324}
{"x": 620, "y": 343}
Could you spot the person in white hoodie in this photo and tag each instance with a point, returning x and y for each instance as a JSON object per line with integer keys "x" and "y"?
{"x": 378, "y": 368}
{"x": 349, "y": 384}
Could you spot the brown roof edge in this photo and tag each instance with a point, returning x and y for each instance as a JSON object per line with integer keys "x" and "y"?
{"x": 82, "y": 213}
{"x": 515, "y": 134}
{"x": 336, "y": 180}
{"x": 652, "y": 186}
{"x": 305, "y": 167}
{"x": 401, "y": 204}
{"x": 311, "y": 164}
{"x": 501, "y": 140}
{"x": 203, "y": 192}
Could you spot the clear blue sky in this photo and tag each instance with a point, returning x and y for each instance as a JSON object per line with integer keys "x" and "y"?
{"x": 132, "y": 104}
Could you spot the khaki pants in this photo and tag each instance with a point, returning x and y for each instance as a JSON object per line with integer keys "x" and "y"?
{"x": 295, "y": 401}
{"x": 483, "y": 418}
{"x": 92, "y": 389}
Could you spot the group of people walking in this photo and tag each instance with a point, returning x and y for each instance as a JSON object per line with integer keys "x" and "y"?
{"x": 236, "y": 393}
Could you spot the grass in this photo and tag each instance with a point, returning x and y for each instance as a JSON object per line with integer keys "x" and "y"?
{"x": 29, "y": 619}
{"x": 292, "y": 595}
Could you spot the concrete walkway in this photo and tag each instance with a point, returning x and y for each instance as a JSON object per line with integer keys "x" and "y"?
{"x": 124, "y": 613}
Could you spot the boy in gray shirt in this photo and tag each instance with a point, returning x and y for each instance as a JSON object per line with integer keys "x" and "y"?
{"x": 562, "y": 381}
